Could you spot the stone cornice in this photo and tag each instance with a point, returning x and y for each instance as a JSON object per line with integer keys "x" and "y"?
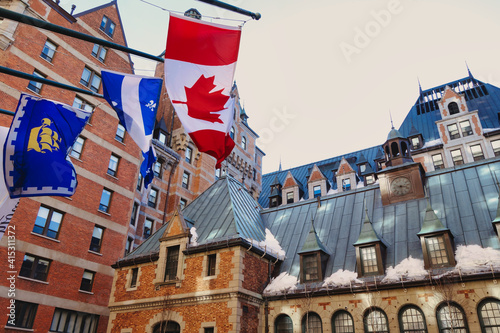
{"x": 168, "y": 303}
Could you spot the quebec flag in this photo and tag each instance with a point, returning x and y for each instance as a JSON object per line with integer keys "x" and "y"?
{"x": 35, "y": 151}
{"x": 135, "y": 99}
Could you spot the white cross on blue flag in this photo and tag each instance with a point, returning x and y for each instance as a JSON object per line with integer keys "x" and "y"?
{"x": 135, "y": 99}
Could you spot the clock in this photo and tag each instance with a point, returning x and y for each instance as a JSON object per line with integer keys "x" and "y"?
{"x": 400, "y": 186}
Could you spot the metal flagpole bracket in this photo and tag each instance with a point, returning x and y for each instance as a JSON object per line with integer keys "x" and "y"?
{"x": 217, "y": 3}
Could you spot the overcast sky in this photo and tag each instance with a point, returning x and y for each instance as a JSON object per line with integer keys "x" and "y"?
{"x": 319, "y": 78}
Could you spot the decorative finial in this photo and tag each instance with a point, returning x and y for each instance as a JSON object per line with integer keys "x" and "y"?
{"x": 280, "y": 165}
{"x": 390, "y": 115}
{"x": 468, "y": 70}
{"x": 419, "y": 86}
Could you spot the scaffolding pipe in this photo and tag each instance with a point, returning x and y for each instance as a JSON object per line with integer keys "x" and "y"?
{"x": 217, "y": 3}
{"x": 35, "y": 78}
{"x": 8, "y": 14}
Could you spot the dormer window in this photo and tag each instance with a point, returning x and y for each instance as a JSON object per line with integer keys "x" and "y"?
{"x": 453, "y": 107}
{"x": 317, "y": 191}
{"x": 415, "y": 142}
{"x": 346, "y": 184}
{"x": 369, "y": 260}
{"x": 310, "y": 268}
{"x": 362, "y": 168}
{"x": 289, "y": 198}
{"x": 370, "y": 179}
{"x": 437, "y": 251}
{"x": 172, "y": 261}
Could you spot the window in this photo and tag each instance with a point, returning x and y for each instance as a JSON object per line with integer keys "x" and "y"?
{"x": 99, "y": 52}
{"x": 171, "y": 265}
{"x": 82, "y": 104}
{"x": 369, "y": 263}
{"x": 489, "y": 315}
{"x": 437, "y": 160}
{"x": 96, "y": 240}
{"x": 311, "y": 323}
{"x": 189, "y": 154}
{"x": 185, "y": 180}
{"x": 167, "y": 327}
{"x": 90, "y": 79}
{"x": 342, "y": 322}
{"x": 107, "y": 26}
{"x": 453, "y": 107}
{"x": 415, "y": 142}
{"x": 283, "y": 324}
{"x": 76, "y": 150}
{"x": 148, "y": 227}
{"x": 466, "y": 128}
{"x": 310, "y": 267}
{"x": 231, "y": 133}
{"x": 139, "y": 182}
{"x": 453, "y": 131}
{"x": 436, "y": 251}
{"x": 451, "y": 318}
{"x": 317, "y": 191}
{"x": 48, "y": 222}
{"x": 289, "y": 198}
{"x": 120, "y": 133}
{"x": 496, "y": 147}
{"x": 217, "y": 174}
{"x": 133, "y": 217}
{"x": 208, "y": 330}
{"x": 412, "y": 320}
{"x": 36, "y": 86}
{"x": 105, "y": 200}
{"x": 153, "y": 196}
{"x": 456, "y": 156}
{"x": 375, "y": 320}
{"x": 25, "y": 313}
{"x": 113, "y": 165}
{"x": 162, "y": 137}
{"x": 133, "y": 277}
{"x": 244, "y": 143}
{"x": 477, "y": 152}
{"x": 49, "y": 49}
{"x": 73, "y": 321}
{"x": 34, "y": 267}
{"x": 157, "y": 169}
{"x": 346, "y": 184}
{"x": 87, "y": 280}
{"x": 183, "y": 203}
{"x": 129, "y": 246}
{"x": 211, "y": 261}
{"x": 362, "y": 168}
{"x": 370, "y": 179}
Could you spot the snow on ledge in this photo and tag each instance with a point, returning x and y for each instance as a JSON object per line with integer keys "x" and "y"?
{"x": 270, "y": 245}
{"x": 194, "y": 237}
{"x": 407, "y": 269}
{"x": 281, "y": 284}
{"x": 341, "y": 278}
{"x": 473, "y": 258}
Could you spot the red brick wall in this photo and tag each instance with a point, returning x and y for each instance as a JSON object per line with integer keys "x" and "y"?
{"x": 255, "y": 273}
{"x": 249, "y": 322}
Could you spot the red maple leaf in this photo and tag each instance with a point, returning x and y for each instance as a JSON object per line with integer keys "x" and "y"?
{"x": 202, "y": 103}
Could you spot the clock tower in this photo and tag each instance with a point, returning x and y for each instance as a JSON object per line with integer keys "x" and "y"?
{"x": 402, "y": 178}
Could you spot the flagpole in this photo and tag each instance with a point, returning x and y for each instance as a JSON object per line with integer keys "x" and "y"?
{"x": 217, "y": 3}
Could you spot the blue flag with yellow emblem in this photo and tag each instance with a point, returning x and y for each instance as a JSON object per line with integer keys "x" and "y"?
{"x": 35, "y": 151}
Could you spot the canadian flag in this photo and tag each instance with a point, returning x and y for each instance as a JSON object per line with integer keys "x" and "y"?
{"x": 200, "y": 59}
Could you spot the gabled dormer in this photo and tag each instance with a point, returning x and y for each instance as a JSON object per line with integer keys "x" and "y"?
{"x": 292, "y": 189}
{"x": 436, "y": 241}
{"x": 172, "y": 244}
{"x": 275, "y": 198}
{"x": 452, "y": 104}
{"x": 317, "y": 184}
{"x": 346, "y": 176}
{"x": 313, "y": 258}
{"x": 370, "y": 250}
{"x": 379, "y": 160}
{"x": 365, "y": 170}
{"x": 416, "y": 139}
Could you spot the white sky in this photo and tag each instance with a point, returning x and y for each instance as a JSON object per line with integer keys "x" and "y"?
{"x": 291, "y": 62}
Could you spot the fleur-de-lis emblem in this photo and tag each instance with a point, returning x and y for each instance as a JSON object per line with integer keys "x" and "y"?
{"x": 151, "y": 105}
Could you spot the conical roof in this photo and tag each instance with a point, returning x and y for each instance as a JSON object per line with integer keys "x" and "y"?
{"x": 367, "y": 234}
{"x": 431, "y": 222}
{"x": 313, "y": 243}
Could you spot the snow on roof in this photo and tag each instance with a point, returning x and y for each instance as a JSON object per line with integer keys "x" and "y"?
{"x": 474, "y": 258}
{"x": 408, "y": 269}
{"x": 270, "y": 245}
{"x": 281, "y": 284}
{"x": 342, "y": 278}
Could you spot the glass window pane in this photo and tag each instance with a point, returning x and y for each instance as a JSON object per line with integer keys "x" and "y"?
{"x": 343, "y": 323}
{"x": 375, "y": 321}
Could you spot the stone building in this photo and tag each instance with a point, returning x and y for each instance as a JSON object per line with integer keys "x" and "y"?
{"x": 379, "y": 240}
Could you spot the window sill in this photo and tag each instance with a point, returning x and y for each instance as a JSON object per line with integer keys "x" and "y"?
{"x": 114, "y": 177}
{"x": 18, "y": 329}
{"x": 131, "y": 289}
{"x": 46, "y": 237}
{"x": 33, "y": 280}
{"x": 34, "y": 92}
{"x": 103, "y": 212}
{"x": 123, "y": 143}
{"x": 47, "y": 61}
{"x": 211, "y": 277}
{"x": 85, "y": 292}
{"x": 96, "y": 253}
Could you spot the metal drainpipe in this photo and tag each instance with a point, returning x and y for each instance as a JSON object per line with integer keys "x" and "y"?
{"x": 172, "y": 170}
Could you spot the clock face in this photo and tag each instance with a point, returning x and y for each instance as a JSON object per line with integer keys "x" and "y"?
{"x": 400, "y": 186}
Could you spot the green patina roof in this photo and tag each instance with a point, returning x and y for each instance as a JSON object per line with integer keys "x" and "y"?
{"x": 313, "y": 243}
{"x": 431, "y": 222}
{"x": 367, "y": 234}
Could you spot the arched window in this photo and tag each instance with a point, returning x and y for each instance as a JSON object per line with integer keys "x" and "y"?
{"x": 244, "y": 143}
{"x": 375, "y": 320}
{"x": 231, "y": 133}
{"x": 167, "y": 327}
{"x": 453, "y": 107}
{"x": 451, "y": 318}
{"x": 411, "y": 319}
{"x": 283, "y": 324}
{"x": 387, "y": 152}
{"x": 311, "y": 323}
{"x": 394, "y": 149}
{"x": 342, "y": 322}
{"x": 404, "y": 148}
{"x": 489, "y": 315}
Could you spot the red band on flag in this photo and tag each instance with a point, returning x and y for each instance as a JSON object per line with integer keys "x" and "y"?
{"x": 200, "y": 42}
{"x": 209, "y": 141}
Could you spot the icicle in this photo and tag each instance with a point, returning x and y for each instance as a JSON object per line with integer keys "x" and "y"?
{"x": 460, "y": 273}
